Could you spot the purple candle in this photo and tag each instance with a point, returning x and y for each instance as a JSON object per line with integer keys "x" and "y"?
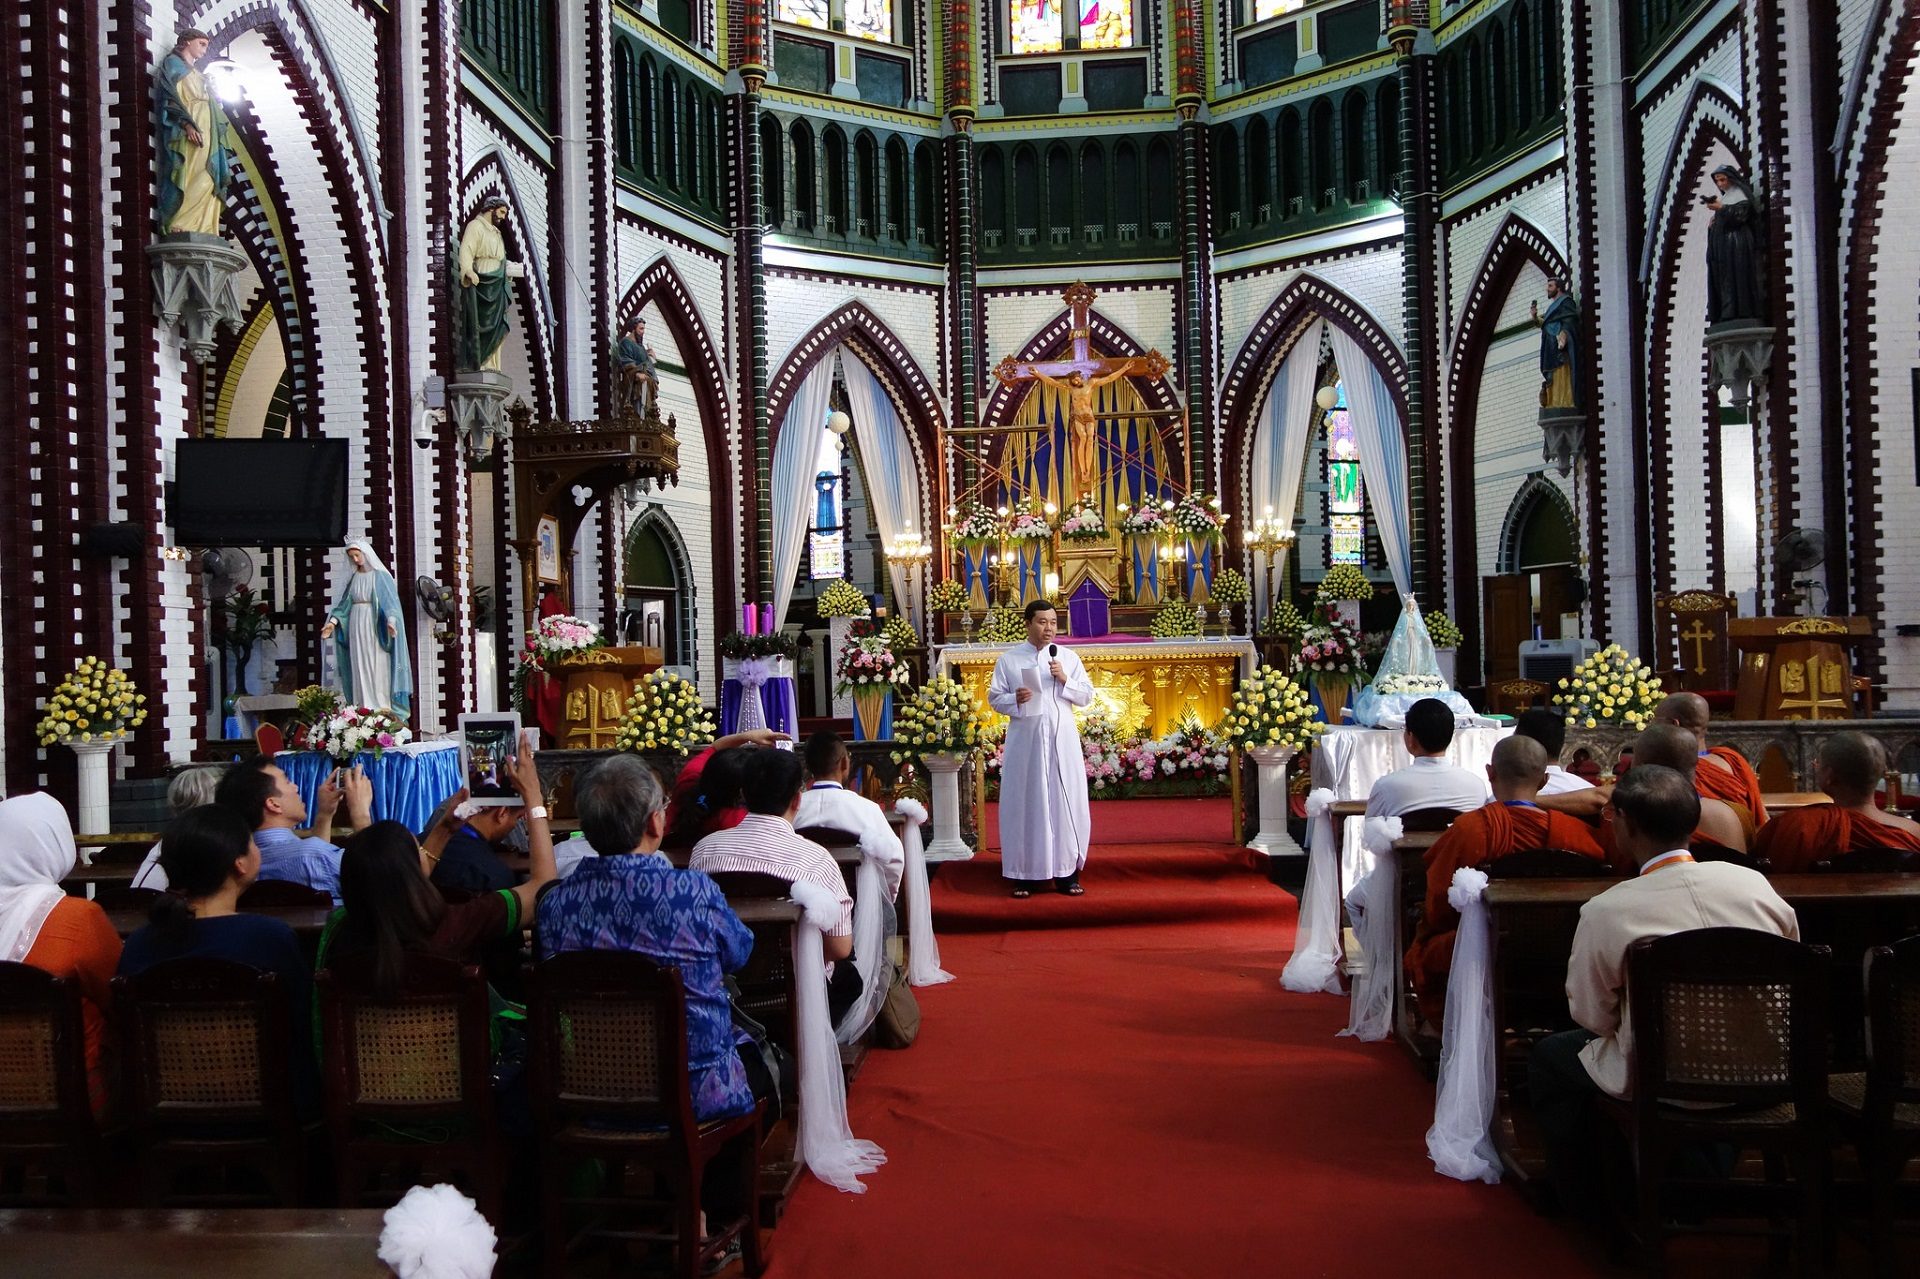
{"x": 747, "y": 618}
{"x": 766, "y": 619}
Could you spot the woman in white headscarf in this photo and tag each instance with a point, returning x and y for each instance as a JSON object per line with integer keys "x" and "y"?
{"x": 40, "y": 925}
{"x": 369, "y": 633}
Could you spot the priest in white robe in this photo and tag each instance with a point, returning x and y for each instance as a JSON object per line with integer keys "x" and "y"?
{"x": 1044, "y": 825}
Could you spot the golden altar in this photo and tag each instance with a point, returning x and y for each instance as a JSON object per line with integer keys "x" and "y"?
{"x": 1146, "y": 687}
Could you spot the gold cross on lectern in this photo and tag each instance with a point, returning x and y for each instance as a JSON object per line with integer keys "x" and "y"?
{"x": 1699, "y": 635}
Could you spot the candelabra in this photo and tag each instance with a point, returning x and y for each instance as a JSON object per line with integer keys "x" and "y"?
{"x": 1268, "y": 537}
{"x": 910, "y": 553}
{"x": 1173, "y": 569}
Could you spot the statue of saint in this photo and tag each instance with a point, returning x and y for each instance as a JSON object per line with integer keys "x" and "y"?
{"x": 194, "y": 161}
{"x": 485, "y": 296}
{"x": 1736, "y": 283}
{"x": 636, "y": 377}
{"x": 1085, "y": 454}
{"x": 369, "y": 633}
{"x": 1559, "y": 348}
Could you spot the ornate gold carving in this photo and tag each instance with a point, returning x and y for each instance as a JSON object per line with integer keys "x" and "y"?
{"x": 1814, "y": 626}
{"x": 577, "y": 706}
{"x": 1697, "y": 602}
{"x": 610, "y": 704}
{"x": 1830, "y": 679}
{"x": 1120, "y": 699}
{"x": 1699, "y": 635}
{"x": 589, "y": 657}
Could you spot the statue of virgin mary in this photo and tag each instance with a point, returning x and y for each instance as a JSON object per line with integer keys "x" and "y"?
{"x": 369, "y": 633}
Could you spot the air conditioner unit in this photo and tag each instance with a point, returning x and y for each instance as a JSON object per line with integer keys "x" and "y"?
{"x": 1550, "y": 661}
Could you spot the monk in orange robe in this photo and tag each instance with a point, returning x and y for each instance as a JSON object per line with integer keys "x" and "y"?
{"x": 1722, "y": 823}
{"x": 1849, "y": 768}
{"x": 1512, "y": 823}
{"x": 1724, "y": 773}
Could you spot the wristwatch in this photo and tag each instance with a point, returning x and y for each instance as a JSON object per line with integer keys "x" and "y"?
{"x": 538, "y": 813}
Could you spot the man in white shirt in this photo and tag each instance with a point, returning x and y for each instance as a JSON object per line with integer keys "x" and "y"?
{"x": 828, "y": 802}
{"x": 1549, "y": 728}
{"x": 1429, "y": 781}
{"x": 1044, "y": 824}
{"x": 1655, "y": 811}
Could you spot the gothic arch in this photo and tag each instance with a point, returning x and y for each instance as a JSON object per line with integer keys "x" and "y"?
{"x": 490, "y": 177}
{"x": 653, "y": 519}
{"x": 1536, "y": 492}
{"x": 1516, "y": 245}
{"x": 880, "y": 350}
{"x": 1711, "y": 108}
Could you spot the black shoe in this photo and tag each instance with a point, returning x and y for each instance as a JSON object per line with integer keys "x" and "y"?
{"x": 1069, "y": 886}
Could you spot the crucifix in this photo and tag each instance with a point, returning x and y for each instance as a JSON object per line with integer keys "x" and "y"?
{"x": 1079, "y": 377}
{"x": 1699, "y": 635}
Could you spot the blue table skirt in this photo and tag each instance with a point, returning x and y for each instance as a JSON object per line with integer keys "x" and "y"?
{"x": 777, "y": 701}
{"x": 406, "y": 788}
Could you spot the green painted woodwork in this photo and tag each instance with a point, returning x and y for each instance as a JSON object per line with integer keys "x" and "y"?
{"x": 510, "y": 40}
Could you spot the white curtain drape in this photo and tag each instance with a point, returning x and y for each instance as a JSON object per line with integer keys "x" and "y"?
{"x": 1461, "y": 1141}
{"x": 795, "y": 463}
{"x": 1315, "y": 966}
{"x": 1280, "y": 440}
{"x": 893, "y": 484}
{"x": 1382, "y": 440}
{"x": 923, "y": 952}
{"x": 1373, "y": 904}
{"x": 824, "y": 1142}
{"x": 873, "y": 923}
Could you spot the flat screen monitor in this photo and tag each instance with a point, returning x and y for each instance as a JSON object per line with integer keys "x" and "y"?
{"x": 259, "y": 492}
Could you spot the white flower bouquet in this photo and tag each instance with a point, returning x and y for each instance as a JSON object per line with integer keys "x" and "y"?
{"x": 354, "y": 730}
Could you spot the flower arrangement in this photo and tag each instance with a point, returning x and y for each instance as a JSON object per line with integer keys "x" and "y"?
{"x": 1027, "y": 521}
{"x": 314, "y": 703}
{"x": 1442, "y": 630}
{"x": 1004, "y": 624}
{"x": 1410, "y": 684}
{"x": 1268, "y": 709}
{"x": 1193, "y": 750}
{"x": 96, "y": 703}
{"x": 1285, "y": 621}
{"x": 993, "y": 749}
{"x": 1611, "y": 687}
{"x": 842, "y": 598}
{"x": 351, "y": 730}
{"x": 561, "y": 635}
{"x": 980, "y": 524}
{"x": 1176, "y": 618}
{"x": 1230, "y": 586}
{"x": 739, "y": 646}
{"x": 664, "y": 714}
{"x": 948, "y": 597}
{"x": 1083, "y": 522}
{"x": 1345, "y": 582}
{"x": 1148, "y": 520}
{"x": 866, "y": 660}
{"x": 898, "y": 633}
{"x": 939, "y": 719}
{"x": 1330, "y": 646}
{"x": 1199, "y": 516}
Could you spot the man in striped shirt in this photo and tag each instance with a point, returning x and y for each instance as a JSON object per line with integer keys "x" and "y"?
{"x": 765, "y": 843}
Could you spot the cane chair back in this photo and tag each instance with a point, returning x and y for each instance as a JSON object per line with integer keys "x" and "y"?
{"x": 49, "y": 1143}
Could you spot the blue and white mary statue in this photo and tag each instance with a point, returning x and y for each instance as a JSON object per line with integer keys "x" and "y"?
{"x": 369, "y": 633}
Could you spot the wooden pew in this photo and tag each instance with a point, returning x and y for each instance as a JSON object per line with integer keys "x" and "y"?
{"x": 289, "y": 1243}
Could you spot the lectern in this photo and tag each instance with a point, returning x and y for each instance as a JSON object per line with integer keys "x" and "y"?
{"x": 1796, "y": 667}
{"x": 598, "y": 683}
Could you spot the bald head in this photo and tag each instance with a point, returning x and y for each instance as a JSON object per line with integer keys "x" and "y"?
{"x": 1519, "y": 768}
{"x": 1667, "y": 746}
{"x": 1688, "y": 710}
{"x": 1850, "y": 767}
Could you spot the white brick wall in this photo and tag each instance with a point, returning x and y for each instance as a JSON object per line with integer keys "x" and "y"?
{"x": 1895, "y": 337}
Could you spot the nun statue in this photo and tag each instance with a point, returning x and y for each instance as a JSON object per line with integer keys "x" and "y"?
{"x": 1736, "y": 279}
{"x": 369, "y": 633}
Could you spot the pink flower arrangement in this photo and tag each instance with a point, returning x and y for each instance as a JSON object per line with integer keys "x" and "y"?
{"x": 1083, "y": 522}
{"x": 1028, "y": 521}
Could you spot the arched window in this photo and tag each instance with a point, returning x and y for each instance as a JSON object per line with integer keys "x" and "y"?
{"x": 806, "y": 206}
{"x": 896, "y": 227}
{"x": 1353, "y": 146}
{"x": 993, "y": 197}
{"x": 1126, "y": 192}
{"x": 1386, "y": 131}
{"x": 1293, "y": 165}
{"x": 1226, "y": 178}
{"x": 927, "y": 196}
{"x": 1059, "y": 193}
{"x": 1093, "y": 192}
{"x": 1499, "y": 109}
{"x": 712, "y": 153}
{"x": 834, "y": 148}
{"x": 623, "y": 148}
{"x": 1476, "y": 87}
{"x": 866, "y": 184}
{"x": 1321, "y": 183}
{"x": 649, "y": 163}
{"x": 1160, "y": 190}
{"x": 1346, "y": 499}
{"x": 1548, "y": 37}
{"x": 669, "y": 133}
{"x": 1526, "y": 70}
{"x": 1259, "y": 159}
{"x": 1026, "y": 196}
{"x": 689, "y": 136}
{"x": 773, "y": 170}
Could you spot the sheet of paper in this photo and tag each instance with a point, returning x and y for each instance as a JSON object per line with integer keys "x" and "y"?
{"x": 1031, "y": 677}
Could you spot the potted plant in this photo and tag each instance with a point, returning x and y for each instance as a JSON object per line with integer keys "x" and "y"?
{"x": 939, "y": 727}
{"x": 1175, "y": 620}
{"x": 89, "y": 712}
{"x": 246, "y": 623}
{"x": 1330, "y": 654}
{"x": 944, "y": 600}
{"x": 1610, "y": 687}
{"x": 1271, "y": 718}
{"x": 976, "y": 531}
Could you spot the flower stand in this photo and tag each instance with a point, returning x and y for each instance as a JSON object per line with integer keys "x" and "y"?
{"x": 1271, "y": 770}
{"x": 1448, "y": 659}
{"x": 837, "y": 628}
{"x": 943, "y": 772}
{"x": 872, "y": 712}
{"x": 96, "y": 770}
{"x": 1330, "y": 693}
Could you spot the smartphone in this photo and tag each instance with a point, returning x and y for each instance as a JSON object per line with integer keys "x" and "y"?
{"x": 488, "y": 740}
{"x": 783, "y": 743}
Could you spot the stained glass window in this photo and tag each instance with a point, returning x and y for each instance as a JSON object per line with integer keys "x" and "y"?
{"x": 1346, "y": 502}
{"x": 805, "y": 13}
{"x": 870, "y": 19}
{"x": 1106, "y": 24}
{"x": 1264, "y": 9}
{"x": 1035, "y": 25}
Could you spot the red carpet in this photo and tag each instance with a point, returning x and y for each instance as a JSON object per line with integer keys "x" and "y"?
{"x": 1142, "y": 1099}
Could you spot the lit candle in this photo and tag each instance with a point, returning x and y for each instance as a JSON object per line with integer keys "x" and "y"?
{"x": 1053, "y": 583}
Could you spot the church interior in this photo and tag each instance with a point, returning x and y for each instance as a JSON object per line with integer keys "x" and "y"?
{"x": 407, "y": 387}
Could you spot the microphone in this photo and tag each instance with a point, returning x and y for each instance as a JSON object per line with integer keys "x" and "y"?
{"x": 1053, "y": 651}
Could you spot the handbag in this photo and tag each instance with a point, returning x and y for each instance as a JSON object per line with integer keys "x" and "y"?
{"x": 898, "y": 1024}
{"x": 782, "y": 1072}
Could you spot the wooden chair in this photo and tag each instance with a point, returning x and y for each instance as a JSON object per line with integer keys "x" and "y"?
{"x": 607, "y": 1040}
{"x": 210, "y": 1086}
{"x": 830, "y": 838}
{"x": 1879, "y": 1108}
{"x": 282, "y": 894}
{"x": 1511, "y": 696}
{"x": 1547, "y": 863}
{"x": 269, "y": 739}
{"x": 48, "y": 1137}
{"x": 1735, "y": 1018}
{"x": 766, "y": 980}
{"x": 407, "y": 1080}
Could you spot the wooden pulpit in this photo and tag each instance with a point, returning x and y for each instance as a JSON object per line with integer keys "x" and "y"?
{"x": 1796, "y": 667}
{"x": 597, "y": 685}
{"x": 1696, "y": 625}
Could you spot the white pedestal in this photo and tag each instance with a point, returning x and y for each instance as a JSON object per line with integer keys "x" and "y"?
{"x": 1448, "y": 658}
{"x": 837, "y": 628}
{"x": 1272, "y": 837}
{"x": 944, "y": 773}
{"x": 96, "y": 770}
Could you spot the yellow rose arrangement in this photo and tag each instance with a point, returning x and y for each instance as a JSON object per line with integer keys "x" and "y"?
{"x": 96, "y": 703}
{"x": 1176, "y": 618}
{"x": 1005, "y": 624}
{"x": 947, "y": 597}
{"x": 664, "y": 714}
{"x": 1268, "y": 709}
{"x": 939, "y": 719}
{"x": 1611, "y": 687}
{"x": 842, "y": 598}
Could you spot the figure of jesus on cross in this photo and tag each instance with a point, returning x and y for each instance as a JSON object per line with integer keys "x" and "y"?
{"x": 1079, "y": 377}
